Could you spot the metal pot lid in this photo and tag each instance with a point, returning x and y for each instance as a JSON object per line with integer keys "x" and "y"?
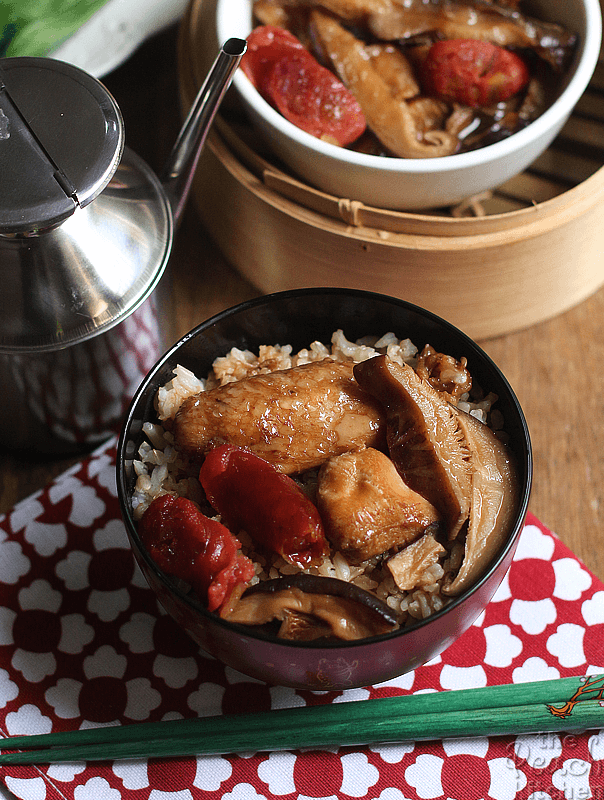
{"x": 61, "y": 139}
{"x": 81, "y": 278}
{"x": 85, "y": 226}
{"x": 71, "y": 268}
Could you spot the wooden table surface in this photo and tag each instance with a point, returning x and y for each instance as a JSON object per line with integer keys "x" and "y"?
{"x": 555, "y": 367}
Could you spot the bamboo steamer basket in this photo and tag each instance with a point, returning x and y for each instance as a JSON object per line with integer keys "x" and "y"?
{"x": 493, "y": 265}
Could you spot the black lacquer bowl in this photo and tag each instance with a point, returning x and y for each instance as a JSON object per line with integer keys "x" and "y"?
{"x": 299, "y": 317}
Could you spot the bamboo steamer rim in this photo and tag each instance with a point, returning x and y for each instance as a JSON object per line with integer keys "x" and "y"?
{"x": 196, "y": 50}
{"x": 421, "y": 232}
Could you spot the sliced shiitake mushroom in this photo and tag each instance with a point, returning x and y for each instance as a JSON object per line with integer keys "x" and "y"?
{"x": 494, "y": 501}
{"x": 424, "y": 438}
{"x": 368, "y": 73}
{"x": 311, "y": 607}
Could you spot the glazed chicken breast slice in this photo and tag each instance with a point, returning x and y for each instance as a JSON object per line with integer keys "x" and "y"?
{"x": 366, "y": 506}
{"x": 295, "y": 419}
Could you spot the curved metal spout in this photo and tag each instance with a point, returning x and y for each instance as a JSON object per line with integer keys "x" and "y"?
{"x": 180, "y": 168}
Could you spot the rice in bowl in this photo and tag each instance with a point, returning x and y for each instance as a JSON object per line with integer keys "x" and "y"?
{"x": 161, "y": 468}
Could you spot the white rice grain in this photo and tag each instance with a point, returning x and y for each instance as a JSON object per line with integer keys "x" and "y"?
{"x": 171, "y": 396}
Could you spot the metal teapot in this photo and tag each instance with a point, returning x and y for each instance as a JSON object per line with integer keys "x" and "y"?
{"x": 86, "y": 230}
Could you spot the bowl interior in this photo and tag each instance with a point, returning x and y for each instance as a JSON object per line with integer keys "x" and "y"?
{"x": 298, "y": 318}
{"x": 234, "y": 18}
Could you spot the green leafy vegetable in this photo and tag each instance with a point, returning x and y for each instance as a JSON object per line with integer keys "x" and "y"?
{"x": 36, "y": 27}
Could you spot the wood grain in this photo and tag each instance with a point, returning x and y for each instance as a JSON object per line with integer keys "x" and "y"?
{"x": 555, "y": 367}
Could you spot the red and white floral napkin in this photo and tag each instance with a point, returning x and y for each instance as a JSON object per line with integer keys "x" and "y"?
{"x": 83, "y": 643}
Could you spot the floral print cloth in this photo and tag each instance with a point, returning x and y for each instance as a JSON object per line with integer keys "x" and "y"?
{"x": 83, "y": 643}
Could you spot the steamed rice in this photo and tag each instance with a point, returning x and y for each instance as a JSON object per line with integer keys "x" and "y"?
{"x": 161, "y": 469}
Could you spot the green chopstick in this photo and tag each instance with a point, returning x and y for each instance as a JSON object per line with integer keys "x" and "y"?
{"x": 566, "y": 704}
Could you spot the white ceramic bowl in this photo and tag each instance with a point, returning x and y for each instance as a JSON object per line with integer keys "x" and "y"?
{"x": 415, "y": 184}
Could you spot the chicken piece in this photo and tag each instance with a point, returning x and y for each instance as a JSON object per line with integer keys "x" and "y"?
{"x": 368, "y": 73}
{"x": 425, "y": 441}
{"x": 409, "y": 566}
{"x": 295, "y": 419}
{"x": 367, "y": 508}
